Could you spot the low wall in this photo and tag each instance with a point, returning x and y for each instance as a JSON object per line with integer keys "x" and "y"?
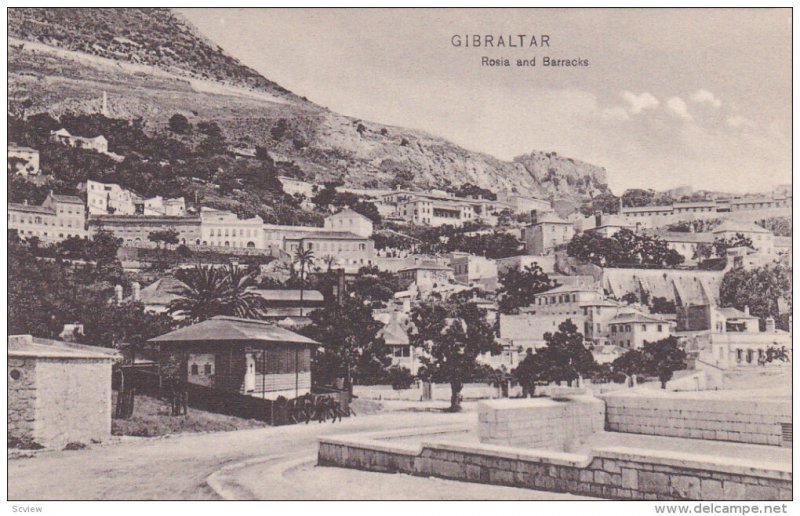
{"x": 439, "y": 392}
{"x": 711, "y": 418}
{"x": 612, "y": 472}
{"x": 541, "y": 422}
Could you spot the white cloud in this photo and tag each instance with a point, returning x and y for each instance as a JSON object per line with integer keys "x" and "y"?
{"x": 615, "y": 113}
{"x": 706, "y": 97}
{"x": 738, "y": 121}
{"x": 641, "y": 102}
{"x": 677, "y": 107}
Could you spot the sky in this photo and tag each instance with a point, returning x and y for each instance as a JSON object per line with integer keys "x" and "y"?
{"x": 698, "y": 97}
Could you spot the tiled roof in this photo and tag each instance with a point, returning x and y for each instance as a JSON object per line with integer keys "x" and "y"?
{"x": 27, "y": 346}
{"x": 222, "y": 330}
{"x": 69, "y": 199}
{"x": 732, "y": 313}
{"x": 731, "y": 226}
{"x": 289, "y": 294}
{"x": 161, "y": 291}
{"x": 426, "y": 265}
{"x": 637, "y": 317}
{"x": 332, "y": 235}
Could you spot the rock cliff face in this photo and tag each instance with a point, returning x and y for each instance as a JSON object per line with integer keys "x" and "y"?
{"x": 151, "y": 64}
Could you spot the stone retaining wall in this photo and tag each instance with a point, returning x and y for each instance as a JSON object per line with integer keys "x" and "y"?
{"x": 612, "y": 472}
{"x": 540, "y": 422}
{"x": 745, "y": 421}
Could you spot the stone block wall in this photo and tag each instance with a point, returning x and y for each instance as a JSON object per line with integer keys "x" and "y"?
{"x": 21, "y": 400}
{"x": 73, "y": 402}
{"x": 55, "y": 401}
{"x": 745, "y": 421}
{"x": 540, "y": 422}
{"x": 614, "y": 473}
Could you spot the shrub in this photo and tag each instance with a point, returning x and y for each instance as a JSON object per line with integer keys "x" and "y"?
{"x": 400, "y": 378}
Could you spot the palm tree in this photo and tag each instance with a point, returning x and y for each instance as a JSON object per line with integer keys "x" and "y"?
{"x": 304, "y": 257}
{"x": 208, "y": 291}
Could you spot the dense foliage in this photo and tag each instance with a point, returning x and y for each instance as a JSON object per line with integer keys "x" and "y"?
{"x": 519, "y": 286}
{"x": 624, "y": 249}
{"x": 767, "y": 290}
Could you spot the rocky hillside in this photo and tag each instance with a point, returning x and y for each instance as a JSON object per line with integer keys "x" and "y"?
{"x": 151, "y": 64}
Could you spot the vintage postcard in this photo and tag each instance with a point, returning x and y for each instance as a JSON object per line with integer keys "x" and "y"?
{"x": 400, "y": 254}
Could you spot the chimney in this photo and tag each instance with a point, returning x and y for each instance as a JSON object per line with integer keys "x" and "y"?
{"x": 136, "y": 291}
{"x": 118, "y": 294}
{"x": 770, "y": 325}
{"x": 534, "y": 216}
{"x": 747, "y": 310}
{"x": 598, "y": 219}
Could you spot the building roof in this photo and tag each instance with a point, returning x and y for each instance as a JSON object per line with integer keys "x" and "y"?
{"x": 15, "y": 206}
{"x": 637, "y": 317}
{"x": 732, "y": 226}
{"x": 15, "y": 147}
{"x": 549, "y": 217}
{"x": 684, "y": 236}
{"x": 26, "y": 346}
{"x": 60, "y": 132}
{"x": 426, "y": 265}
{"x": 781, "y": 241}
{"x": 394, "y": 334}
{"x": 732, "y": 313}
{"x": 568, "y": 288}
{"x": 67, "y": 199}
{"x": 161, "y": 291}
{"x": 222, "y": 329}
{"x": 330, "y": 235}
{"x": 349, "y": 213}
{"x": 289, "y": 294}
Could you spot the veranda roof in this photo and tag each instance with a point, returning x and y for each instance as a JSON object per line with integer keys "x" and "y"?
{"x": 222, "y": 329}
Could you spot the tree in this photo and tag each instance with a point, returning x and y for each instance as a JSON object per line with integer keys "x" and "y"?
{"x": 766, "y": 290}
{"x": 721, "y": 245}
{"x": 636, "y": 197}
{"x": 529, "y": 371}
{"x": 630, "y": 363}
{"x": 374, "y": 287}
{"x": 304, "y": 257}
{"x": 664, "y": 357}
{"x": 662, "y": 305}
{"x": 565, "y": 357}
{"x": 351, "y": 348}
{"x": 630, "y": 298}
{"x": 209, "y": 291}
{"x": 453, "y": 333}
{"x": 519, "y": 286}
{"x": 164, "y": 236}
{"x": 774, "y": 353}
{"x": 179, "y": 124}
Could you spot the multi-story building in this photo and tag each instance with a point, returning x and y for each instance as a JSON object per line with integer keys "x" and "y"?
{"x": 136, "y": 229}
{"x": 631, "y": 330}
{"x": 522, "y": 203}
{"x": 763, "y": 240}
{"x": 349, "y": 220}
{"x": 738, "y": 343}
{"x": 474, "y": 271}
{"x": 59, "y": 217}
{"x": 110, "y": 199}
{"x": 225, "y": 229}
{"x": 164, "y": 206}
{"x": 547, "y": 231}
{"x": 565, "y": 300}
{"x": 435, "y": 212}
{"x": 337, "y": 248}
{"x": 425, "y": 275}
{"x": 23, "y": 160}
{"x": 275, "y": 235}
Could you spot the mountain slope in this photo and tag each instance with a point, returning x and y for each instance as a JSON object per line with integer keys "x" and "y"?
{"x": 152, "y": 64}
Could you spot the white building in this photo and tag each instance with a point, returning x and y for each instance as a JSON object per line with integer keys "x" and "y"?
{"x": 474, "y": 271}
{"x": 109, "y": 198}
{"x": 546, "y": 232}
{"x": 763, "y": 239}
{"x": 225, "y": 229}
{"x": 23, "y": 160}
{"x": 349, "y": 220}
{"x": 435, "y": 212}
{"x": 62, "y": 136}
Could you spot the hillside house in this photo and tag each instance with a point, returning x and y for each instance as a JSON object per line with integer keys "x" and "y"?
{"x": 23, "y": 160}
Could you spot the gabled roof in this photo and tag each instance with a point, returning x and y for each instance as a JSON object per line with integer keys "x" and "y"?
{"x": 349, "y": 212}
{"x": 60, "y": 132}
{"x": 394, "y": 334}
{"x": 568, "y": 288}
{"x": 549, "y": 217}
{"x": 732, "y": 313}
{"x": 426, "y": 265}
{"x": 222, "y": 330}
{"x": 637, "y": 317}
{"x": 731, "y": 226}
{"x": 161, "y": 291}
{"x": 289, "y": 294}
{"x": 332, "y": 235}
{"x": 67, "y": 199}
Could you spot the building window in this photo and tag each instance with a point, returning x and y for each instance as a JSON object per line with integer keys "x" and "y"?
{"x": 659, "y": 328}
{"x": 644, "y": 327}
{"x": 207, "y": 369}
{"x": 194, "y": 370}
